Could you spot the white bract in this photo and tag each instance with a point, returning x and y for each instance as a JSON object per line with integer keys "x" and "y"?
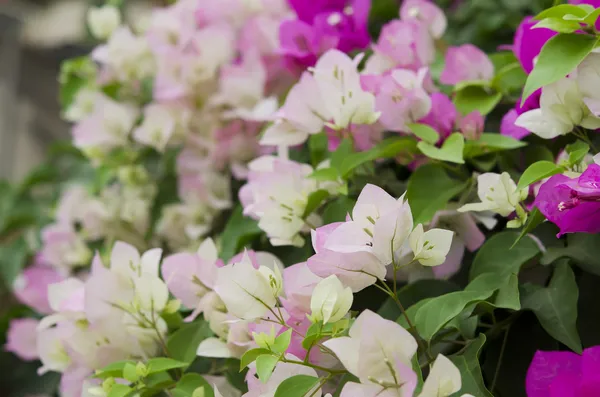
{"x": 330, "y": 300}
{"x": 249, "y": 293}
{"x": 562, "y": 108}
{"x": 443, "y": 380}
{"x": 431, "y": 247}
{"x": 498, "y": 193}
{"x": 103, "y": 21}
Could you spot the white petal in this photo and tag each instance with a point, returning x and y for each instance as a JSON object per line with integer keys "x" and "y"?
{"x": 213, "y": 347}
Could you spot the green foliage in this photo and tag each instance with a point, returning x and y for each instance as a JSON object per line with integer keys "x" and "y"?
{"x": 425, "y": 132}
{"x": 182, "y": 344}
{"x": 538, "y": 171}
{"x": 475, "y": 97}
{"x": 239, "y": 231}
{"x": 559, "y": 57}
{"x": 556, "y": 306}
{"x": 470, "y": 371}
{"x": 189, "y": 383}
{"x": 296, "y": 386}
{"x": 451, "y": 150}
{"x": 429, "y": 190}
{"x": 490, "y": 143}
{"x": 265, "y": 364}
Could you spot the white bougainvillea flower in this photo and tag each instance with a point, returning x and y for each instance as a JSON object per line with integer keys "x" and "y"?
{"x": 562, "y": 108}
{"x": 498, "y": 193}
{"x": 248, "y": 293}
{"x": 443, "y": 380}
{"x": 376, "y": 351}
{"x": 431, "y": 247}
{"x": 330, "y": 301}
{"x": 103, "y": 21}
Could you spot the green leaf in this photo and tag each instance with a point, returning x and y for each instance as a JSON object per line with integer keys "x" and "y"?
{"x": 490, "y": 143}
{"x": 118, "y": 390}
{"x": 534, "y": 219}
{"x": 403, "y": 148}
{"x": 470, "y": 369}
{"x": 509, "y": 78}
{"x": 559, "y": 57}
{"x": 317, "y": 144}
{"x": 429, "y": 190}
{"x": 342, "y": 151}
{"x": 282, "y": 342}
{"x": 560, "y": 11}
{"x": 239, "y": 231}
{"x": 581, "y": 248}
{"x": 265, "y": 364}
{"x": 325, "y": 174}
{"x": 130, "y": 373}
{"x": 315, "y": 199}
{"x": 475, "y": 97}
{"x": 538, "y": 171}
{"x": 354, "y": 160}
{"x": 296, "y": 386}
{"x": 558, "y": 25}
{"x": 508, "y": 295}
{"x": 163, "y": 364}
{"x": 74, "y": 74}
{"x": 13, "y": 258}
{"x": 189, "y": 383}
{"x": 556, "y": 307}
{"x": 337, "y": 210}
{"x": 183, "y": 343}
{"x": 251, "y": 355}
{"x": 413, "y": 293}
{"x": 496, "y": 255}
{"x": 113, "y": 370}
{"x": 437, "y": 312}
{"x": 451, "y": 150}
{"x": 577, "y": 152}
{"x": 425, "y": 132}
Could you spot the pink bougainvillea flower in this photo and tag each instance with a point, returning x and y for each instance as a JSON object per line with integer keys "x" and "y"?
{"x": 466, "y": 63}
{"x": 22, "y": 338}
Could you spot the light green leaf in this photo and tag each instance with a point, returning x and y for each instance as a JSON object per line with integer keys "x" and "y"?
{"x": 577, "y": 152}
{"x": 429, "y": 190}
{"x": 113, "y": 370}
{"x": 556, "y": 307}
{"x": 317, "y": 144}
{"x": 451, "y": 150}
{"x": 183, "y": 343}
{"x": 282, "y": 342}
{"x": 471, "y": 98}
{"x": 559, "y": 57}
{"x": 509, "y": 78}
{"x": 425, "y": 132}
{"x": 325, "y": 174}
{"x": 296, "y": 386}
{"x": 560, "y": 11}
{"x": 118, "y": 390}
{"x": 496, "y": 255}
{"x": 490, "y": 143}
{"x": 538, "y": 171}
{"x": 239, "y": 231}
{"x": 403, "y": 148}
{"x": 162, "y": 364}
{"x": 470, "y": 369}
{"x": 189, "y": 383}
{"x": 558, "y": 25}
{"x": 315, "y": 199}
{"x": 130, "y": 373}
{"x": 13, "y": 258}
{"x": 265, "y": 364}
{"x": 251, "y": 355}
{"x": 342, "y": 152}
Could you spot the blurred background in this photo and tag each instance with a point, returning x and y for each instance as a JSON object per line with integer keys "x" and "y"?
{"x": 37, "y": 35}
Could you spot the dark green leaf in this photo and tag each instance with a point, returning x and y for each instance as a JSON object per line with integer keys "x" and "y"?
{"x": 296, "y": 386}
{"x": 325, "y": 174}
{"x": 337, "y": 210}
{"x": 315, "y": 199}
{"x": 508, "y": 295}
{"x": 556, "y": 307}
{"x": 183, "y": 343}
{"x": 190, "y": 382}
{"x": 582, "y": 248}
{"x": 489, "y": 143}
{"x": 470, "y": 369}
{"x": 13, "y": 258}
{"x": 429, "y": 190}
{"x": 534, "y": 219}
{"x": 239, "y": 231}
{"x": 341, "y": 153}
{"x": 559, "y": 57}
{"x": 496, "y": 255}
{"x": 538, "y": 171}
{"x": 317, "y": 144}
{"x": 163, "y": 364}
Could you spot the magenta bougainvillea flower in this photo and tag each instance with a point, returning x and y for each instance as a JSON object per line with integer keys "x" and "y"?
{"x": 573, "y": 204}
{"x": 564, "y": 374}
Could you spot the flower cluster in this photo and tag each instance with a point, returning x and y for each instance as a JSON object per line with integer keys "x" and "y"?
{"x": 271, "y": 200}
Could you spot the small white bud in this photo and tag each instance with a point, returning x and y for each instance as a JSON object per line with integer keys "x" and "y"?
{"x": 103, "y": 21}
